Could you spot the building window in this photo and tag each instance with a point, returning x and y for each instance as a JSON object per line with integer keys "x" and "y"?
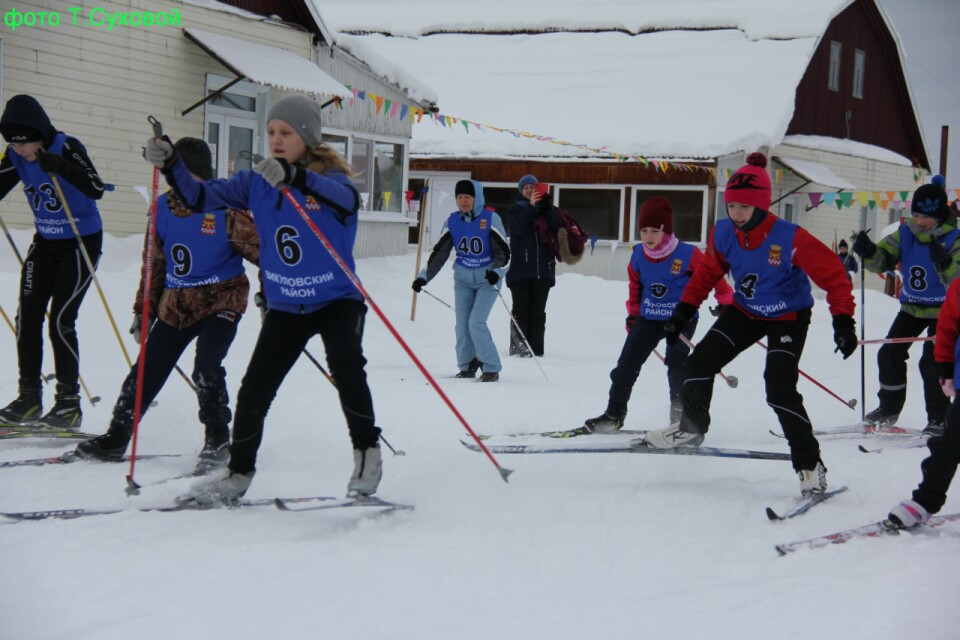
{"x": 833, "y": 77}
{"x": 859, "y": 69}
{"x": 689, "y": 210}
{"x": 598, "y": 210}
{"x": 388, "y": 176}
{"x": 234, "y": 120}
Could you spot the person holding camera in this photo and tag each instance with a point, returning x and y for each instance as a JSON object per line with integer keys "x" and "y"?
{"x": 532, "y": 271}
{"x": 476, "y": 233}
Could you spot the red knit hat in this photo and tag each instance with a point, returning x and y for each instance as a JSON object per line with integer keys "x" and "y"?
{"x": 750, "y": 184}
{"x": 657, "y": 213}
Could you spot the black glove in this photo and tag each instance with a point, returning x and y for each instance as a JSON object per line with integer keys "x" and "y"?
{"x": 493, "y": 277}
{"x": 717, "y": 310}
{"x": 261, "y": 302}
{"x": 844, "y": 335}
{"x": 678, "y": 321}
{"x": 52, "y": 163}
{"x": 864, "y": 246}
{"x": 940, "y": 255}
{"x": 418, "y": 284}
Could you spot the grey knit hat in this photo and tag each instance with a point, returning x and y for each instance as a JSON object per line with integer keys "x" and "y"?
{"x": 301, "y": 113}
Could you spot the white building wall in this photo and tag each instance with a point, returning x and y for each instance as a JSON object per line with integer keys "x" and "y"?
{"x": 100, "y": 85}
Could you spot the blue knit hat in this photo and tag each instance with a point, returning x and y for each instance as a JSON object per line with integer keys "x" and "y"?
{"x": 525, "y": 180}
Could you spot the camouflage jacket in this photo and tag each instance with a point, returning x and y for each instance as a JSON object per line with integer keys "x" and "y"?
{"x": 182, "y": 307}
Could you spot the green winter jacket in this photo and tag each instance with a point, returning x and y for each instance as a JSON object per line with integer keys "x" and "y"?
{"x": 888, "y": 255}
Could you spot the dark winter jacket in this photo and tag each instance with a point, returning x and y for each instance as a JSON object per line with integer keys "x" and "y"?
{"x": 530, "y": 259}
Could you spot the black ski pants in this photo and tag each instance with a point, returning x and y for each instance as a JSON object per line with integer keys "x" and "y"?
{"x": 214, "y": 335}
{"x": 941, "y": 465}
{"x": 640, "y": 343}
{"x": 731, "y": 334}
{"x": 55, "y": 273}
{"x": 530, "y": 311}
{"x": 282, "y": 339}
{"x": 892, "y": 359}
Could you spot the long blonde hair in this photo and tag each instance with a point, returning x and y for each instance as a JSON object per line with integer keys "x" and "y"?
{"x": 323, "y": 157}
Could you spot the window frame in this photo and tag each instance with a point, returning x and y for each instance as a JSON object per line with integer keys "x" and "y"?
{"x": 635, "y": 208}
{"x": 859, "y": 72}
{"x": 833, "y": 71}
{"x": 557, "y": 190}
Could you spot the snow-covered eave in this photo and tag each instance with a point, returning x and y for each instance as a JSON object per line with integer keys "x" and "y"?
{"x": 398, "y": 77}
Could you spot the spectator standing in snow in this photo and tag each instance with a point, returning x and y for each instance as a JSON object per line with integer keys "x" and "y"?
{"x": 306, "y": 292}
{"x": 848, "y": 261}
{"x": 476, "y": 233}
{"x": 939, "y": 468}
{"x": 927, "y": 246}
{"x": 54, "y": 271}
{"x": 659, "y": 269}
{"x": 532, "y": 271}
{"x": 198, "y": 290}
{"x": 772, "y": 262}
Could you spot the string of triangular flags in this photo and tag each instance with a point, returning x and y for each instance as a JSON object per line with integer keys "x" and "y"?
{"x": 402, "y": 110}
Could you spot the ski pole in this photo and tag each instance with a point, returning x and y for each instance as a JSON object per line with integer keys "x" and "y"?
{"x": 863, "y": 331}
{"x": 285, "y": 190}
{"x": 522, "y": 337}
{"x": 897, "y": 340}
{"x": 731, "y": 381}
{"x": 852, "y": 402}
{"x": 133, "y": 488}
{"x": 440, "y": 300}
{"x": 93, "y": 400}
{"x": 334, "y": 383}
{"x": 90, "y": 266}
{"x": 7, "y": 318}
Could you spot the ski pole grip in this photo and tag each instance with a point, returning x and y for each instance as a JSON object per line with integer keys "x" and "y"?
{"x": 157, "y": 127}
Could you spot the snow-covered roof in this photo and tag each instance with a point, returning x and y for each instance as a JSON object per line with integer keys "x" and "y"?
{"x": 266, "y": 65}
{"x": 692, "y": 78}
{"x": 815, "y": 173}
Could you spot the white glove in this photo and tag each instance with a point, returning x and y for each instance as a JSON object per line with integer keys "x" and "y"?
{"x": 261, "y": 302}
{"x": 275, "y": 171}
{"x": 158, "y": 151}
{"x": 135, "y": 327}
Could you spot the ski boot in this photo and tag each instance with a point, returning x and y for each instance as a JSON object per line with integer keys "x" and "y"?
{"x": 367, "y": 471}
{"x": 28, "y": 405}
{"x": 66, "y": 414}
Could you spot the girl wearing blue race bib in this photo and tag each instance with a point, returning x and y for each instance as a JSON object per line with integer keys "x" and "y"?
{"x": 306, "y": 292}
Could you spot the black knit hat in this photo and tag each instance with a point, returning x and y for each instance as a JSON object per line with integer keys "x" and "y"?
{"x": 931, "y": 200}
{"x": 24, "y": 120}
{"x": 465, "y": 187}
{"x": 195, "y": 155}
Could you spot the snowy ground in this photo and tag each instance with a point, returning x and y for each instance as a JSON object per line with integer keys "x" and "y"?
{"x": 588, "y": 546}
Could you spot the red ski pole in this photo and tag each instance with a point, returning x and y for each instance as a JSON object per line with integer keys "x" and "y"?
{"x": 504, "y": 473}
{"x": 851, "y": 403}
{"x": 133, "y": 488}
{"x": 896, "y": 340}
